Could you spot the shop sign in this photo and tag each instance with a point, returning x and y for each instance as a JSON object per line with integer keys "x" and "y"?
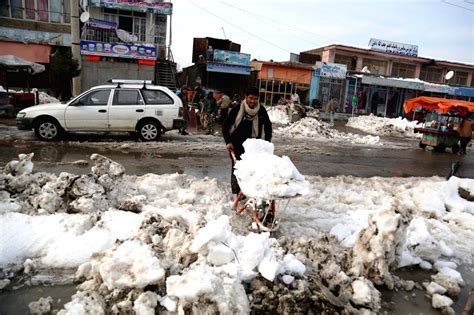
{"x": 231, "y": 57}
{"x": 393, "y": 47}
{"x": 463, "y": 91}
{"x": 404, "y": 84}
{"x": 149, "y": 6}
{"x": 94, "y": 48}
{"x": 331, "y": 70}
{"x": 102, "y": 24}
{"x": 437, "y": 88}
{"x": 228, "y": 68}
{"x": 37, "y": 37}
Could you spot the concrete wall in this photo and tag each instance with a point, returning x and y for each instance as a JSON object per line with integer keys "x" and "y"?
{"x": 98, "y": 72}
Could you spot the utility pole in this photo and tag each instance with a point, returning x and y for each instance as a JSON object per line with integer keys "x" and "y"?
{"x": 75, "y": 45}
{"x": 225, "y": 37}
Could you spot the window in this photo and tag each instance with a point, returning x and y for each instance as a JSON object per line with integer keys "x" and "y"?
{"x": 4, "y": 8}
{"x": 95, "y": 98}
{"x": 55, "y": 6}
{"x": 403, "y": 70}
{"x": 156, "y": 97}
{"x": 160, "y": 29}
{"x": 42, "y": 10}
{"x": 430, "y": 74}
{"x": 139, "y": 28}
{"x": 459, "y": 78}
{"x": 270, "y": 72}
{"x": 375, "y": 66}
{"x": 132, "y": 22}
{"x": 349, "y": 61}
{"x": 127, "y": 97}
{"x": 17, "y": 8}
{"x": 472, "y": 79}
{"x": 67, "y": 11}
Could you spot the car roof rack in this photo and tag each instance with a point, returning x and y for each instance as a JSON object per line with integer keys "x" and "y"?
{"x": 126, "y": 81}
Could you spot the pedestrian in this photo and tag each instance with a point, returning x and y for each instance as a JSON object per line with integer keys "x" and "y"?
{"x": 235, "y": 101}
{"x": 465, "y": 133}
{"x": 331, "y": 107}
{"x": 374, "y": 103}
{"x": 224, "y": 104}
{"x": 295, "y": 98}
{"x": 183, "y": 95}
{"x": 249, "y": 120}
{"x": 209, "y": 109}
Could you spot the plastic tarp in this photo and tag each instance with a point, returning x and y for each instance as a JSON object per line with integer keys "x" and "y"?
{"x": 438, "y": 104}
{"x": 11, "y": 61}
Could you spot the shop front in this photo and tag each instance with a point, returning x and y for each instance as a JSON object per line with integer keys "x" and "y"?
{"x": 328, "y": 82}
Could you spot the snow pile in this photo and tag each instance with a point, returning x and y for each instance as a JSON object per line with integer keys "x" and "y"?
{"x": 45, "y": 98}
{"x": 263, "y": 175}
{"x": 312, "y": 128}
{"x": 278, "y": 114}
{"x": 399, "y": 127}
{"x": 152, "y": 243}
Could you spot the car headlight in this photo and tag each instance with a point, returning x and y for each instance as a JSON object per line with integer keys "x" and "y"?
{"x": 20, "y": 115}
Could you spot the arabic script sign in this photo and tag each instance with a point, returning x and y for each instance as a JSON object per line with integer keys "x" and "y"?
{"x": 393, "y": 47}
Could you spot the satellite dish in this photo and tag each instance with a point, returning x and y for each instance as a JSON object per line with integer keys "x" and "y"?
{"x": 365, "y": 70}
{"x": 84, "y": 17}
{"x": 126, "y": 37}
{"x": 449, "y": 75}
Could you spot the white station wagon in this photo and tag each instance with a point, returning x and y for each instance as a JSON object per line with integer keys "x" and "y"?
{"x": 134, "y": 106}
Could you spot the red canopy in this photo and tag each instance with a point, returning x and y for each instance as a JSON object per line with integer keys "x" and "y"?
{"x": 439, "y": 104}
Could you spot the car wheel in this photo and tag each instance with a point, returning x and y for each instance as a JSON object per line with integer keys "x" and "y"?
{"x": 149, "y": 131}
{"x": 48, "y": 130}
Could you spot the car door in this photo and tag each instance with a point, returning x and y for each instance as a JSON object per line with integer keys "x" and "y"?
{"x": 126, "y": 109}
{"x": 161, "y": 105}
{"x": 89, "y": 112}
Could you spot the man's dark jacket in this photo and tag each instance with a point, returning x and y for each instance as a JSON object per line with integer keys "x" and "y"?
{"x": 244, "y": 130}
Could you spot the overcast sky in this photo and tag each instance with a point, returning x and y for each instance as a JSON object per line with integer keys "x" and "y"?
{"x": 271, "y": 29}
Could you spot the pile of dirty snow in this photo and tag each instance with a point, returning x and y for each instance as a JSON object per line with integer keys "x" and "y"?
{"x": 278, "y": 114}
{"x": 170, "y": 243}
{"x": 45, "y": 98}
{"x": 399, "y": 127}
{"x": 313, "y": 128}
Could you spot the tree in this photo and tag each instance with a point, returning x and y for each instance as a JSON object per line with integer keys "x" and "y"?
{"x": 64, "y": 68}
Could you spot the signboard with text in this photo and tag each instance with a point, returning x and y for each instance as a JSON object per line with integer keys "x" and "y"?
{"x": 132, "y": 51}
{"x": 231, "y": 57}
{"x": 393, "y": 47}
{"x": 149, "y": 6}
{"x": 228, "y": 68}
{"x": 331, "y": 70}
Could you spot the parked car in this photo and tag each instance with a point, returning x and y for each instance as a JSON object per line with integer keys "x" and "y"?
{"x": 123, "y": 106}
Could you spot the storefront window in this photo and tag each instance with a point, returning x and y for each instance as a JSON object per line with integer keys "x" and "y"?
{"x": 375, "y": 66}
{"x": 431, "y": 74}
{"x": 403, "y": 70}
{"x": 459, "y": 78}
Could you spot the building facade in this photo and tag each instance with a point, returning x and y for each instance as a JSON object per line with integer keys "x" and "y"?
{"x": 33, "y": 30}
{"x": 124, "y": 40}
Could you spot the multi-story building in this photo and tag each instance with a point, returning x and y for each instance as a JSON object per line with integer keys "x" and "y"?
{"x": 33, "y": 30}
{"x": 384, "y": 76}
{"x": 126, "y": 40}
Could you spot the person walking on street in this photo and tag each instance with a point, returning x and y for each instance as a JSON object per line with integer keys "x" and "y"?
{"x": 465, "y": 133}
{"x": 249, "y": 120}
{"x": 331, "y": 109}
{"x": 224, "y": 104}
{"x": 210, "y": 108}
{"x": 183, "y": 95}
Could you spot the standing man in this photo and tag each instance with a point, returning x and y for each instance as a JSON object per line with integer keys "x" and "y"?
{"x": 465, "y": 133}
{"x": 249, "y": 120}
{"x": 183, "y": 95}
{"x": 210, "y": 109}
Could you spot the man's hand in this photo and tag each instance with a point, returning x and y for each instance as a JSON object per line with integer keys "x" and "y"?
{"x": 229, "y": 147}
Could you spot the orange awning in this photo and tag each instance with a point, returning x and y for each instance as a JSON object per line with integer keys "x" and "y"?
{"x": 436, "y": 103}
{"x": 30, "y": 52}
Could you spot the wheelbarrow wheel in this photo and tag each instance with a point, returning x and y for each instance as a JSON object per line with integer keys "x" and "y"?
{"x": 422, "y": 145}
{"x": 455, "y": 148}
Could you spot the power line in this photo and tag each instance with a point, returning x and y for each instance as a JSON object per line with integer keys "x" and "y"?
{"x": 279, "y": 22}
{"x": 457, "y": 5}
{"x": 238, "y": 27}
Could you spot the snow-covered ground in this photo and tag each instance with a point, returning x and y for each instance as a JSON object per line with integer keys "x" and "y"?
{"x": 310, "y": 127}
{"x": 399, "y": 127}
{"x": 171, "y": 242}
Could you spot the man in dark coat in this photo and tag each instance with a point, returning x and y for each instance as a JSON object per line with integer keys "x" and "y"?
{"x": 249, "y": 120}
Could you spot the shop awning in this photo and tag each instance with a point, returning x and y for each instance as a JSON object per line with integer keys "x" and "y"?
{"x": 438, "y": 88}
{"x": 392, "y": 82}
{"x": 31, "y": 52}
{"x": 463, "y": 91}
{"x": 436, "y": 103}
{"x": 14, "y": 62}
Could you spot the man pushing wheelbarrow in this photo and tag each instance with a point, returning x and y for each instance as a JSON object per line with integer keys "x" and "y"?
{"x": 259, "y": 178}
